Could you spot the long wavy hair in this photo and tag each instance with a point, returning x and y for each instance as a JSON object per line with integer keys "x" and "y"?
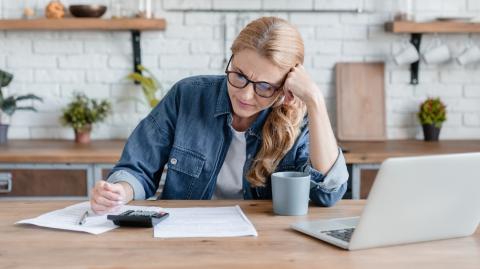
{"x": 281, "y": 43}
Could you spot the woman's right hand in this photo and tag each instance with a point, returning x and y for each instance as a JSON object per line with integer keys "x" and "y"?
{"x": 107, "y": 197}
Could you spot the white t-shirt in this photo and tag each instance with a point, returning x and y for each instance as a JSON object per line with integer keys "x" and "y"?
{"x": 230, "y": 178}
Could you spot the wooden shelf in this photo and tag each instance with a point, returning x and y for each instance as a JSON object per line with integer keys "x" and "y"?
{"x": 84, "y": 24}
{"x": 417, "y": 29}
{"x": 432, "y": 27}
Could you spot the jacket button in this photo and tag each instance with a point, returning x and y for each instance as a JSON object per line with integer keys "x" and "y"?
{"x": 173, "y": 161}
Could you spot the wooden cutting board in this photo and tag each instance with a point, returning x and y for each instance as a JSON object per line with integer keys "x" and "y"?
{"x": 360, "y": 101}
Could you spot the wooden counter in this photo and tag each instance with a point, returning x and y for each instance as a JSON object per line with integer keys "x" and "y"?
{"x": 108, "y": 151}
{"x": 366, "y": 157}
{"x": 61, "y": 151}
{"x": 377, "y": 152}
{"x": 99, "y": 156}
{"x": 277, "y": 245}
{"x": 55, "y": 169}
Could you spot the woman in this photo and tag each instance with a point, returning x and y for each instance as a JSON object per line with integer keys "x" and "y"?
{"x": 222, "y": 137}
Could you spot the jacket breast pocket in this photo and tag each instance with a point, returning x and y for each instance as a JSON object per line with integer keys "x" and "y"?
{"x": 186, "y": 161}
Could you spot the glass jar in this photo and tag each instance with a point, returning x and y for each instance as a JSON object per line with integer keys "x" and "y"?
{"x": 29, "y": 10}
{"x": 122, "y": 9}
{"x": 144, "y": 9}
{"x": 404, "y": 10}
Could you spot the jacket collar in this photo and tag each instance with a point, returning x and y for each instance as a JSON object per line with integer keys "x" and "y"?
{"x": 224, "y": 107}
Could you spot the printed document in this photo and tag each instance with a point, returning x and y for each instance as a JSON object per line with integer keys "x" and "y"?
{"x": 205, "y": 222}
{"x": 68, "y": 218}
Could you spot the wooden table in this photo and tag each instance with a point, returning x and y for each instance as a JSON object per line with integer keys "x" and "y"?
{"x": 369, "y": 155}
{"x": 277, "y": 246}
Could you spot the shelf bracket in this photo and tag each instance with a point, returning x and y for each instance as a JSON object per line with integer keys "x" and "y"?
{"x": 137, "y": 52}
{"x": 414, "y": 67}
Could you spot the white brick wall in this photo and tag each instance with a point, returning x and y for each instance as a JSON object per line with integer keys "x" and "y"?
{"x": 235, "y": 4}
{"x": 56, "y": 47}
{"x": 473, "y": 5}
{"x": 334, "y": 4}
{"x": 187, "y": 4}
{"x": 287, "y": 4}
{"x": 54, "y": 64}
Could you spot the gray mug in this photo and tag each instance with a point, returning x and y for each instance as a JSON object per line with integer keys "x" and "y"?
{"x": 290, "y": 193}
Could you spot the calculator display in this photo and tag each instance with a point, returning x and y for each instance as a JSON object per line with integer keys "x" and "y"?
{"x": 138, "y": 218}
{"x": 139, "y": 213}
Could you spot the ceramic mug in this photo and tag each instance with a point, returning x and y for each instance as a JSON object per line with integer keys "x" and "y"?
{"x": 290, "y": 193}
{"x": 470, "y": 55}
{"x": 437, "y": 53}
{"x": 408, "y": 54}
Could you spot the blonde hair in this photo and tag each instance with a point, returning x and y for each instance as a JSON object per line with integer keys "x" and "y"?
{"x": 281, "y": 43}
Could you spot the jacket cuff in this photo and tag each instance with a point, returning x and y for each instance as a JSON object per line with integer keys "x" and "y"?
{"x": 124, "y": 176}
{"x": 333, "y": 179}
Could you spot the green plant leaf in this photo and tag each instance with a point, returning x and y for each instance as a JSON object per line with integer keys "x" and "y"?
{"x": 83, "y": 111}
{"x": 31, "y": 108}
{"x": 29, "y": 97}
{"x": 150, "y": 85}
{"x": 432, "y": 111}
{"x": 9, "y": 105}
{"x": 5, "y": 78}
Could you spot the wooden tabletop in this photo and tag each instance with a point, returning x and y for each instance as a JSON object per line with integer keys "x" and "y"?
{"x": 108, "y": 151}
{"x": 277, "y": 246}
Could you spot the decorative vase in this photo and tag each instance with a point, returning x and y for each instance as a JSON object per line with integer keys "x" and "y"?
{"x": 430, "y": 132}
{"x": 82, "y": 136}
{"x": 3, "y": 133}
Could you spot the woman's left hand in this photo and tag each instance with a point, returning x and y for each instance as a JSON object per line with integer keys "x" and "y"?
{"x": 299, "y": 84}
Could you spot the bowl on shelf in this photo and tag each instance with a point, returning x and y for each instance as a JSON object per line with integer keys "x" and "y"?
{"x": 87, "y": 11}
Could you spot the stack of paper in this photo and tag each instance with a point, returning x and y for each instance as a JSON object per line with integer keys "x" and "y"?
{"x": 205, "y": 222}
{"x": 68, "y": 218}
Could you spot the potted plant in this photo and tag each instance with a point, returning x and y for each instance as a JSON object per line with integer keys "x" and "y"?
{"x": 81, "y": 113}
{"x": 150, "y": 85}
{"x": 8, "y": 105}
{"x": 431, "y": 115}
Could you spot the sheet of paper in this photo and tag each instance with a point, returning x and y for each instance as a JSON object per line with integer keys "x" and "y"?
{"x": 68, "y": 217}
{"x": 205, "y": 222}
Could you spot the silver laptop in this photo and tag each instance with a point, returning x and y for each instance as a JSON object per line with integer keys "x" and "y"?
{"x": 413, "y": 199}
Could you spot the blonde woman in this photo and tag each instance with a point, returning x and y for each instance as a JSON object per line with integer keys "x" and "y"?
{"x": 221, "y": 137}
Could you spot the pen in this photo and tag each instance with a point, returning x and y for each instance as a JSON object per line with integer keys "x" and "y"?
{"x": 83, "y": 218}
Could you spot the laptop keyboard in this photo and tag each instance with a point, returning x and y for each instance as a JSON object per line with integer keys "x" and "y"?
{"x": 342, "y": 234}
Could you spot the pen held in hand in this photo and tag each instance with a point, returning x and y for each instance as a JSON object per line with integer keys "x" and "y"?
{"x": 83, "y": 218}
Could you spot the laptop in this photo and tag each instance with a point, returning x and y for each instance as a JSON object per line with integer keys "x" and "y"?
{"x": 413, "y": 199}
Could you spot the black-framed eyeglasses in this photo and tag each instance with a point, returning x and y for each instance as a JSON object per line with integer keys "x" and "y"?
{"x": 261, "y": 88}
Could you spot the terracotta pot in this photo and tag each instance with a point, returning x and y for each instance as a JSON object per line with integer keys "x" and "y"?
{"x": 3, "y": 133}
{"x": 430, "y": 132}
{"x": 82, "y": 136}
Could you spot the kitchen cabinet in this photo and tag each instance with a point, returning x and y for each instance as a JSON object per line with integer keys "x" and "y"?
{"x": 54, "y": 169}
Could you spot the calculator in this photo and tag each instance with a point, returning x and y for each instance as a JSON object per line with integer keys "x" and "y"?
{"x": 138, "y": 218}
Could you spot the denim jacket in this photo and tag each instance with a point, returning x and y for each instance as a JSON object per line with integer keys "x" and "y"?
{"x": 189, "y": 131}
